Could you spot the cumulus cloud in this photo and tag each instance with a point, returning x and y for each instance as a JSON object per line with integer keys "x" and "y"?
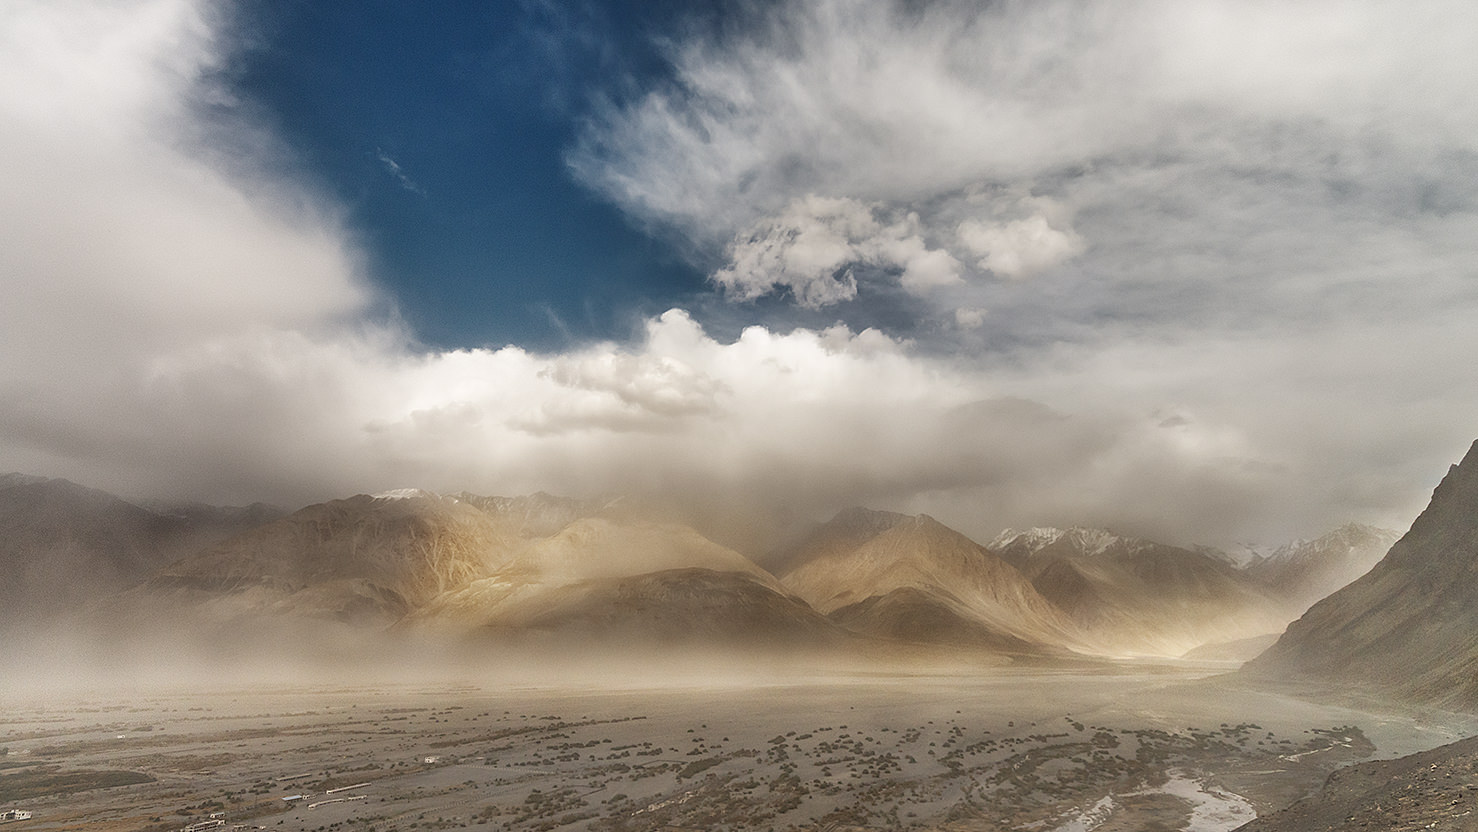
{"x": 813, "y": 247}
{"x": 806, "y": 250}
{"x": 1250, "y": 228}
{"x": 773, "y": 425}
{"x": 1019, "y": 248}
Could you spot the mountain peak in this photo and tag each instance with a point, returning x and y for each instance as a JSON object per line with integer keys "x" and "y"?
{"x": 859, "y": 517}
{"x": 847, "y": 530}
{"x": 65, "y": 490}
{"x": 920, "y": 553}
{"x": 1405, "y": 627}
{"x": 1033, "y": 538}
{"x": 1451, "y": 513}
{"x": 1077, "y": 540}
{"x": 409, "y": 494}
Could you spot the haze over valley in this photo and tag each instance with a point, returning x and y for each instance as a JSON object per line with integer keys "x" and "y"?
{"x": 1040, "y": 680}
{"x": 570, "y": 575}
{"x": 824, "y": 415}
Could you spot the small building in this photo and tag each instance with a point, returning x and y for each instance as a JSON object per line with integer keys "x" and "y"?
{"x": 14, "y": 814}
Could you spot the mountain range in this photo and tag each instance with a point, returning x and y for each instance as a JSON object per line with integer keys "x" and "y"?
{"x": 1305, "y": 571}
{"x": 1138, "y": 596}
{"x": 490, "y": 570}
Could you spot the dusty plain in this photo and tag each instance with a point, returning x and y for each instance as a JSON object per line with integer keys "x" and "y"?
{"x": 1126, "y": 747}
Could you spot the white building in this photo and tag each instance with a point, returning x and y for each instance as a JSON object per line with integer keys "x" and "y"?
{"x": 14, "y": 814}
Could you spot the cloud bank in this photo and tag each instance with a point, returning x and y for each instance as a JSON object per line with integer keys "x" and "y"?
{"x": 1203, "y": 271}
{"x": 1260, "y": 213}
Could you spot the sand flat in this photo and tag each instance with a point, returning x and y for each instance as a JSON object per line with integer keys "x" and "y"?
{"x": 993, "y": 748}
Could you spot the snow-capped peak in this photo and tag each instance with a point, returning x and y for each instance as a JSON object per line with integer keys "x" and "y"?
{"x": 406, "y": 494}
{"x": 1033, "y": 538}
{"x": 1089, "y": 542}
{"x": 1343, "y": 541}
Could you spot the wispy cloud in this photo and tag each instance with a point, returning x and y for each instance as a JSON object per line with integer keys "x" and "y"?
{"x": 392, "y": 167}
{"x": 1170, "y": 141}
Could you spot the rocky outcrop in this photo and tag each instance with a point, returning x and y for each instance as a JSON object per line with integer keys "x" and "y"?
{"x": 1431, "y": 790}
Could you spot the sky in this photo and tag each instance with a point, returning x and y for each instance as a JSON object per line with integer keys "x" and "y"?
{"x": 1205, "y": 271}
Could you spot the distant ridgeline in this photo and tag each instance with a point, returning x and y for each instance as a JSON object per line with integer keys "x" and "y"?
{"x": 412, "y": 566}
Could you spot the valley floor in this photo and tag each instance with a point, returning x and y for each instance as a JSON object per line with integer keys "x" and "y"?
{"x": 1126, "y": 748}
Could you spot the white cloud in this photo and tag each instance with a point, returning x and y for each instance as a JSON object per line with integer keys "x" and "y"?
{"x": 923, "y": 268}
{"x": 114, "y": 232}
{"x": 803, "y": 422}
{"x": 969, "y": 317}
{"x": 1142, "y": 120}
{"x": 807, "y": 250}
{"x": 894, "y": 102}
{"x": 1020, "y": 248}
{"x": 393, "y": 168}
{"x": 1207, "y": 194}
{"x": 812, "y": 247}
{"x": 1281, "y": 252}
